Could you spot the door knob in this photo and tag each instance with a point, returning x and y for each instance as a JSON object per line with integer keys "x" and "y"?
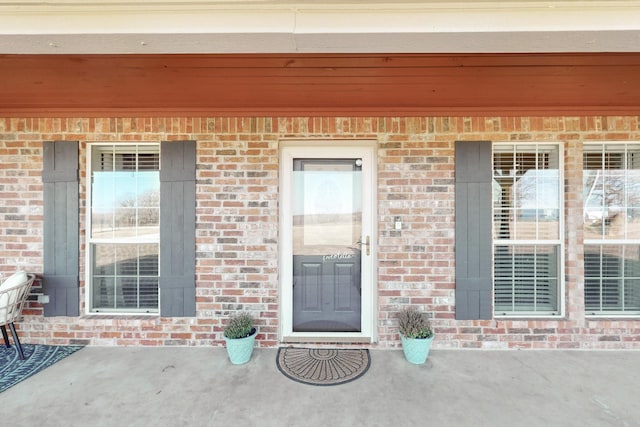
{"x": 366, "y": 243}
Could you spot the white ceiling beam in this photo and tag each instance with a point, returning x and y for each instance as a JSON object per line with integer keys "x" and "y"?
{"x": 281, "y": 26}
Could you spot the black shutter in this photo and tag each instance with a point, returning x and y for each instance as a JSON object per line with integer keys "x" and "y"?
{"x": 177, "y": 228}
{"x": 61, "y": 247}
{"x": 473, "y": 229}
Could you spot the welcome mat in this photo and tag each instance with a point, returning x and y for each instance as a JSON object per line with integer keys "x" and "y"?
{"x": 321, "y": 366}
{"x": 37, "y": 357}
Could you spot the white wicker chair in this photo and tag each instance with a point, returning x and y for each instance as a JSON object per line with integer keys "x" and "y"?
{"x": 13, "y": 294}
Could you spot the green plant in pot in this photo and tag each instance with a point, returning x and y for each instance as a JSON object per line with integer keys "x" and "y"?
{"x": 240, "y": 335}
{"x": 416, "y": 335}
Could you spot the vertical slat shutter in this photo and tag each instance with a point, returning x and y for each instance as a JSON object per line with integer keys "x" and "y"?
{"x": 177, "y": 228}
{"x": 61, "y": 247}
{"x": 473, "y": 229}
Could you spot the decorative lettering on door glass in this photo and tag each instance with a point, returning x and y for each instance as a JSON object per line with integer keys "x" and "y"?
{"x": 337, "y": 256}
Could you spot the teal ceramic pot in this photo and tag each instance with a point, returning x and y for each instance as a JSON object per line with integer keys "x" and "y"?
{"x": 416, "y": 350}
{"x": 240, "y": 350}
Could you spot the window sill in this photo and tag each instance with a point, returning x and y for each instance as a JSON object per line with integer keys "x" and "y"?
{"x": 612, "y": 316}
{"x": 528, "y": 316}
{"x": 119, "y": 316}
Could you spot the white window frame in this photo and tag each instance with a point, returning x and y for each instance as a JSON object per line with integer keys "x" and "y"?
{"x": 90, "y": 241}
{"x": 612, "y": 242}
{"x": 560, "y": 312}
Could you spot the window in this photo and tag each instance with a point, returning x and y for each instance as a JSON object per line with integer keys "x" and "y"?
{"x": 527, "y": 223}
{"x": 611, "y": 200}
{"x": 124, "y": 223}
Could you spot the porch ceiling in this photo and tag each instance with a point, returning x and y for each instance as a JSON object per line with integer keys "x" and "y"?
{"x": 319, "y": 84}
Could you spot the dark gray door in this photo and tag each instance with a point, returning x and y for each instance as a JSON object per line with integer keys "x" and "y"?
{"x": 327, "y": 228}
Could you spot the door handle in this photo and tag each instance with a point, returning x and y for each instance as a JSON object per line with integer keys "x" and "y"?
{"x": 367, "y": 243}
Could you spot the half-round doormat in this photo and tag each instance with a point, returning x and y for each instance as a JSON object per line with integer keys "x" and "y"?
{"x": 322, "y": 366}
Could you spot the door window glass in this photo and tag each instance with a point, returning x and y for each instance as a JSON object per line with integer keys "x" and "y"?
{"x": 327, "y": 229}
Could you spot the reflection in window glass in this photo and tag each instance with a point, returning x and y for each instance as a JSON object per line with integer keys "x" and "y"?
{"x": 526, "y": 228}
{"x": 611, "y": 211}
{"x": 125, "y": 226}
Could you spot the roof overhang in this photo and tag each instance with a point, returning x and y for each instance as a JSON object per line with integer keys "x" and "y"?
{"x": 327, "y": 57}
{"x": 306, "y": 26}
{"x": 319, "y": 84}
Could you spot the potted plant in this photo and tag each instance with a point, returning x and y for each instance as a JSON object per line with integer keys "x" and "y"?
{"x": 416, "y": 335}
{"x": 240, "y": 335}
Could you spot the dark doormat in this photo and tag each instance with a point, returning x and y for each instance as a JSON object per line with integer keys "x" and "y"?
{"x": 321, "y": 366}
{"x": 37, "y": 357}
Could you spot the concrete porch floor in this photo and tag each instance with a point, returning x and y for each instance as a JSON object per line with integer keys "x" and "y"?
{"x": 104, "y": 386}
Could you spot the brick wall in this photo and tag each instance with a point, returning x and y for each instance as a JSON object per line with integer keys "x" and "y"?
{"x": 237, "y": 224}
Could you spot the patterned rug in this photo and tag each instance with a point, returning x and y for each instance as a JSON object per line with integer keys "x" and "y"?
{"x": 321, "y": 366}
{"x": 37, "y": 357}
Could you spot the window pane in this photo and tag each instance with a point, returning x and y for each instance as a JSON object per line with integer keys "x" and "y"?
{"x": 612, "y": 278}
{"x": 125, "y": 188}
{"x": 504, "y": 161}
{"x": 614, "y": 204}
{"x": 501, "y": 223}
{"x": 103, "y": 292}
{"x": 148, "y": 260}
{"x": 526, "y": 192}
{"x": 611, "y": 192}
{"x": 526, "y": 278}
{"x": 126, "y": 260}
{"x": 125, "y": 221}
{"x": 633, "y": 200}
{"x": 148, "y": 221}
{"x": 632, "y": 295}
{"x": 125, "y": 276}
{"x": 103, "y": 260}
{"x": 526, "y": 202}
{"x": 103, "y": 193}
{"x": 149, "y": 292}
{"x": 593, "y": 200}
{"x": 148, "y": 189}
{"x": 126, "y": 292}
{"x": 123, "y": 185}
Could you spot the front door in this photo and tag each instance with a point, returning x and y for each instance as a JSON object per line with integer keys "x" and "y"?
{"x": 328, "y": 271}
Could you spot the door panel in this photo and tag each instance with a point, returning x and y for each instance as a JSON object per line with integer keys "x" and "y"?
{"x": 310, "y": 286}
{"x": 326, "y": 295}
{"x": 347, "y": 287}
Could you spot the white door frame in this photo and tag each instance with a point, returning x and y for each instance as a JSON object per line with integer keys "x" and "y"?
{"x": 366, "y": 150}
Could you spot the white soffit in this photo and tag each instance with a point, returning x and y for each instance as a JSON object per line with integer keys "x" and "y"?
{"x": 281, "y": 26}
